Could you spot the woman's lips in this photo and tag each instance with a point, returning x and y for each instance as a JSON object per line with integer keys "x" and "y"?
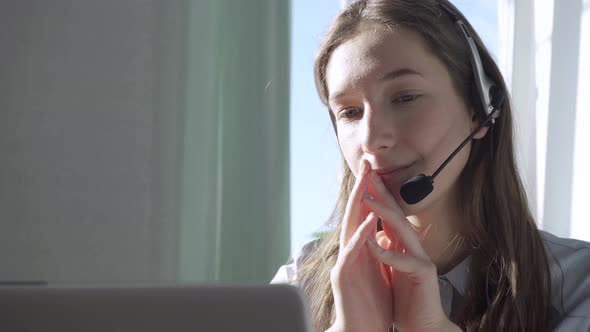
{"x": 393, "y": 170}
{"x": 394, "y": 177}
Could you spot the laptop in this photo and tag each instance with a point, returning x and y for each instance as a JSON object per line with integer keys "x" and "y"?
{"x": 207, "y": 308}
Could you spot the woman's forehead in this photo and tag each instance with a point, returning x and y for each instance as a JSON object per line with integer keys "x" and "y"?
{"x": 373, "y": 53}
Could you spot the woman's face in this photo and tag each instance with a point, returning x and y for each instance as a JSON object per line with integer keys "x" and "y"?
{"x": 395, "y": 106}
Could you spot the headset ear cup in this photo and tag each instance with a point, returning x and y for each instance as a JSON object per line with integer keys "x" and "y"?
{"x": 474, "y": 99}
{"x": 497, "y": 97}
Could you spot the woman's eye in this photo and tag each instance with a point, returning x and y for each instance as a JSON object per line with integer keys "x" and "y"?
{"x": 350, "y": 113}
{"x": 406, "y": 98}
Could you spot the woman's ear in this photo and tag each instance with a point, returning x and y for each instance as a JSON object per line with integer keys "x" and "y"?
{"x": 475, "y": 124}
{"x": 481, "y": 133}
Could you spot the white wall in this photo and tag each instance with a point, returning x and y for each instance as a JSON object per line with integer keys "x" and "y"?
{"x": 580, "y": 218}
{"x": 557, "y": 157}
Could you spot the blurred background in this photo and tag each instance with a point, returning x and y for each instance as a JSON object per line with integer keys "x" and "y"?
{"x": 151, "y": 141}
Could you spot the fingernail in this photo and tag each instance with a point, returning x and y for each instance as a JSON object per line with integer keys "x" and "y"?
{"x": 369, "y": 196}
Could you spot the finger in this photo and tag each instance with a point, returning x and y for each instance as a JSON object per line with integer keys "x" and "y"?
{"x": 389, "y": 242}
{"x": 385, "y": 243}
{"x": 401, "y": 262}
{"x": 381, "y": 192}
{"x": 352, "y": 214}
{"x": 351, "y": 251}
{"x": 385, "y": 271}
{"x": 382, "y": 239}
{"x": 402, "y": 227}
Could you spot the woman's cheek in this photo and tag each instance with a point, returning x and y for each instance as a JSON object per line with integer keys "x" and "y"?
{"x": 351, "y": 149}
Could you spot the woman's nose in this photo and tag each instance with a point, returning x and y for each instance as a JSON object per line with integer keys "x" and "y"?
{"x": 377, "y": 130}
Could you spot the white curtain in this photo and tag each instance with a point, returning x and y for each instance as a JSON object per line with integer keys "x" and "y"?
{"x": 144, "y": 141}
{"x": 234, "y": 224}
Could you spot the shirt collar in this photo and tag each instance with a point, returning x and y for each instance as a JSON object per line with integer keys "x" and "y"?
{"x": 458, "y": 277}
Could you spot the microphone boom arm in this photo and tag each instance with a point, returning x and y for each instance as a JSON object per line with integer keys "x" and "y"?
{"x": 489, "y": 118}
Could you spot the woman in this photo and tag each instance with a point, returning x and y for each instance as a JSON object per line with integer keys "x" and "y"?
{"x": 404, "y": 87}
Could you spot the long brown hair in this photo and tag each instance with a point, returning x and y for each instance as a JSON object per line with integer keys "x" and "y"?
{"x": 510, "y": 278}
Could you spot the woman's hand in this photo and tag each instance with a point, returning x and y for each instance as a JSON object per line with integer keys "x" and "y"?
{"x": 362, "y": 293}
{"x": 414, "y": 280}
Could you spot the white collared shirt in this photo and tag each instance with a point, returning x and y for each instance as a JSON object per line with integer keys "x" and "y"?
{"x": 570, "y": 281}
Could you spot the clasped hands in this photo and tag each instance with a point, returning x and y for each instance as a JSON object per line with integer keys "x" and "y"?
{"x": 383, "y": 278}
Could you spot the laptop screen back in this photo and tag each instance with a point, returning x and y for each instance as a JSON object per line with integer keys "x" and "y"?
{"x": 153, "y": 309}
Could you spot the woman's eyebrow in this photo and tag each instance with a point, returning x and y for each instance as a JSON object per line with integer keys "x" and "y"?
{"x": 397, "y": 73}
{"x": 389, "y": 76}
{"x": 337, "y": 96}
